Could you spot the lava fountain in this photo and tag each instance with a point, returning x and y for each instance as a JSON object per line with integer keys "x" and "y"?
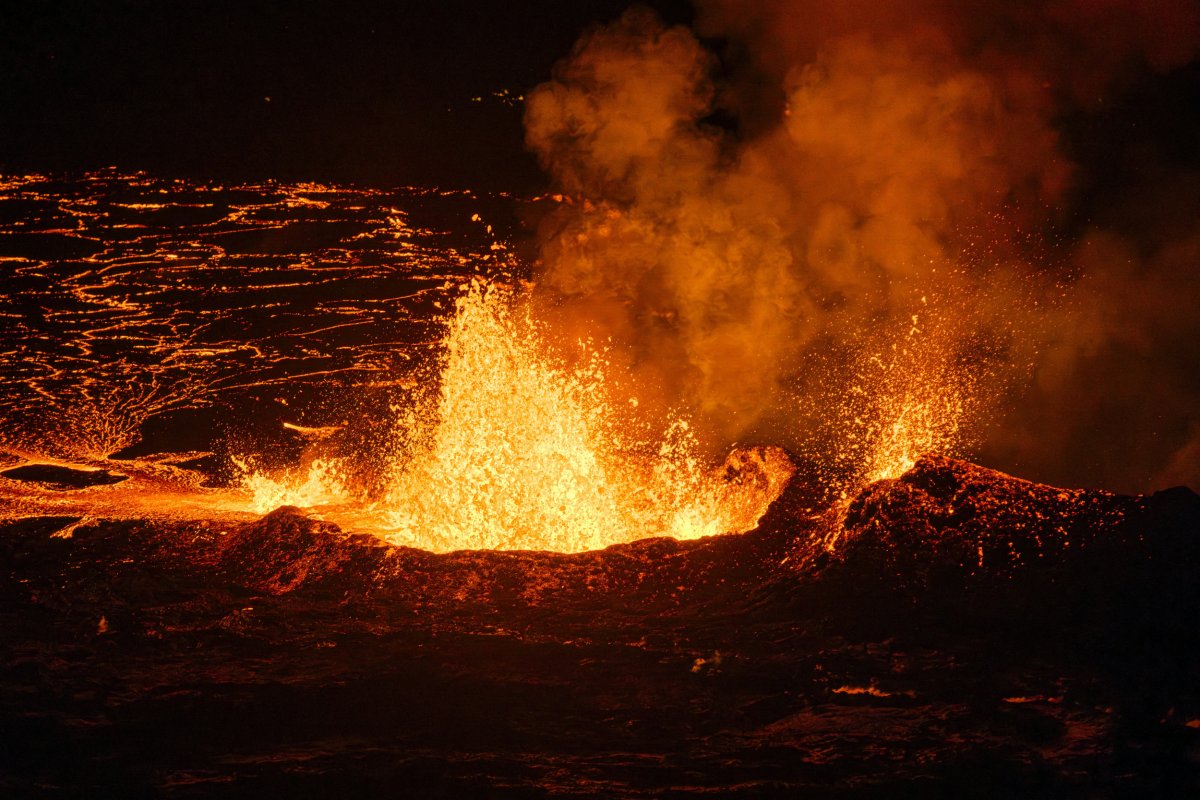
{"x": 518, "y": 450}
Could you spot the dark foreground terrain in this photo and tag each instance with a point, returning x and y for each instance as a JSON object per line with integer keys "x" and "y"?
{"x": 955, "y": 633}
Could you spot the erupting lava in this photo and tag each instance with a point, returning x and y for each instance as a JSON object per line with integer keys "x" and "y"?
{"x": 518, "y": 451}
{"x": 918, "y": 402}
{"x": 329, "y": 490}
{"x": 511, "y": 443}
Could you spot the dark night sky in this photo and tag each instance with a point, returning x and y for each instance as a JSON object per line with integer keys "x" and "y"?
{"x": 360, "y": 90}
{"x": 371, "y": 91}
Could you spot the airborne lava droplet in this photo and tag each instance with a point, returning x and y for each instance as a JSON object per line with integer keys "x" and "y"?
{"x": 517, "y": 451}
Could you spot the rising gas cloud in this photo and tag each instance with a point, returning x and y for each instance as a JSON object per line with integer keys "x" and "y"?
{"x": 803, "y": 202}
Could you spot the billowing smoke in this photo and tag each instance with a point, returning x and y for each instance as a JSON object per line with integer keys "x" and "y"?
{"x": 848, "y": 184}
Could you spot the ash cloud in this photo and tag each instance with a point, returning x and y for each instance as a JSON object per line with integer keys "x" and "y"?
{"x": 891, "y": 181}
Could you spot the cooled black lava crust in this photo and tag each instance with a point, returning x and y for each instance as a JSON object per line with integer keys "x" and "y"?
{"x": 971, "y": 635}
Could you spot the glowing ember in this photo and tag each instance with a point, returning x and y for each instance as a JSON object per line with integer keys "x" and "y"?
{"x": 918, "y": 402}
{"x": 920, "y": 426}
{"x": 910, "y": 393}
{"x": 519, "y": 452}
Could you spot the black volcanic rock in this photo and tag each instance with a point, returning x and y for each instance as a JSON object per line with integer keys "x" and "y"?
{"x": 967, "y": 634}
{"x": 286, "y": 550}
{"x": 951, "y": 514}
{"x": 955, "y": 541}
{"x": 953, "y": 538}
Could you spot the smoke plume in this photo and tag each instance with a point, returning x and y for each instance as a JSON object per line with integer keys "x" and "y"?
{"x": 850, "y": 204}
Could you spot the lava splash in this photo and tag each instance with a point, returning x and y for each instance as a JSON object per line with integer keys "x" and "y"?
{"x": 516, "y": 451}
{"x": 206, "y": 352}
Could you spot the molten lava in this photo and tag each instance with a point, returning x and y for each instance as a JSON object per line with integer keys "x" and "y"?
{"x": 918, "y": 402}
{"x": 510, "y": 443}
{"x": 518, "y": 451}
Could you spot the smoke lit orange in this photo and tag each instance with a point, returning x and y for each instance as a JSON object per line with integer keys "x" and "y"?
{"x": 518, "y": 451}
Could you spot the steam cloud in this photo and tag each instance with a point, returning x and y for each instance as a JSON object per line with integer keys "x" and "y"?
{"x": 889, "y": 180}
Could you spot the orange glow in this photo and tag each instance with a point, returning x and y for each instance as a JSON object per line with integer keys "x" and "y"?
{"x": 509, "y": 443}
{"x": 908, "y": 401}
{"x": 918, "y": 426}
{"x": 518, "y": 451}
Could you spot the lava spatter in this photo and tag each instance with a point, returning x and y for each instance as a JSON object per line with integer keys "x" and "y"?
{"x": 518, "y": 451}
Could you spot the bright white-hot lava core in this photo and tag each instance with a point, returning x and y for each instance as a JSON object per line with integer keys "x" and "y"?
{"x": 516, "y": 450}
{"x": 164, "y": 335}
